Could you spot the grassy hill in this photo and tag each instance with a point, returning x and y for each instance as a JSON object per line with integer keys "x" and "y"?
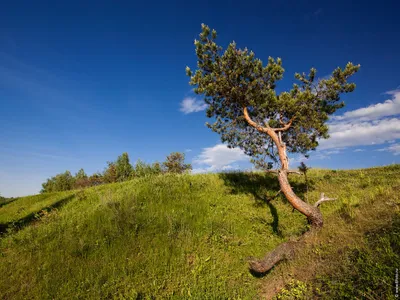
{"x": 189, "y": 236}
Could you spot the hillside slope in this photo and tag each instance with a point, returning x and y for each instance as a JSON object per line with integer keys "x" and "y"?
{"x": 182, "y": 236}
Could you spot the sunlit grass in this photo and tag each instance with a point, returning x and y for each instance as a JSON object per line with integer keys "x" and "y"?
{"x": 168, "y": 236}
{"x": 24, "y": 206}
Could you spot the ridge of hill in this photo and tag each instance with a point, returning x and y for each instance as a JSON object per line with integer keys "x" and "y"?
{"x": 183, "y": 236}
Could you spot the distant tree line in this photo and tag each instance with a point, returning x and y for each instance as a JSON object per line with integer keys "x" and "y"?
{"x": 116, "y": 171}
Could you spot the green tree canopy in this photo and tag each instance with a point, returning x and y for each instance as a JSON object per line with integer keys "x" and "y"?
{"x": 81, "y": 175}
{"x": 241, "y": 96}
{"x": 123, "y": 167}
{"x": 61, "y": 182}
{"x": 175, "y": 163}
{"x": 110, "y": 173}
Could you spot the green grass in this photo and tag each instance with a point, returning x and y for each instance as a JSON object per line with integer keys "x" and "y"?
{"x": 171, "y": 236}
{"x": 23, "y": 207}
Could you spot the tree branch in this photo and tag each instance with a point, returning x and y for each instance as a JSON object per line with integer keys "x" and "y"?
{"x": 252, "y": 123}
{"x": 286, "y": 127}
{"x": 287, "y": 171}
{"x": 267, "y": 128}
{"x": 269, "y": 199}
{"x": 323, "y": 199}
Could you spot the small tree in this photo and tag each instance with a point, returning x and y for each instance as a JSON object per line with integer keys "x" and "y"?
{"x": 81, "y": 175}
{"x": 110, "y": 173}
{"x": 157, "y": 168}
{"x": 61, "y": 182}
{"x": 249, "y": 114}
{"x": 175, "y": 163}
{"x": 96, "y": 179}
{"x": 81, "y": 179}
{"x": 123, "y": 167}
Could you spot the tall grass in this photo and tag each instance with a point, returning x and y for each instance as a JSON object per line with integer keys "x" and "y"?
{"x": 172, "y": 236}
{"x": 22, "y": 207}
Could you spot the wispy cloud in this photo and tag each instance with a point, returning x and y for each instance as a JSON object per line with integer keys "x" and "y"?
{"x": 318, "y": 11}
{"x": 191, "y": 105}
{"x": 348, "y": 134}
{"x": 390, "y": 107}
{"x": 394, "y": 149}
{"x": 41, "y": 86}
{"x": 218, "y": 158}
{"x": 24, "y": 154}
{"x": 359, "y": 150}
{"x": 372, "y": 125}
{"x": 333, "y": 152}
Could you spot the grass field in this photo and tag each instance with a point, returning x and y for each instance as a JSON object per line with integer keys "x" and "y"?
{"x": 23, "y": 210}
{"x": 189, "y": 236}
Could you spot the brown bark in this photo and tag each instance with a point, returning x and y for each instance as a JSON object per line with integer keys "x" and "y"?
{"x": 313, "y": 214}
{"x": 283, "y": 251}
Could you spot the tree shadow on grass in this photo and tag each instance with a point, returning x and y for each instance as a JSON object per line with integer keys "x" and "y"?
{"x": 25, "y": 221}
{"x": 264, "y": 188}
{"x": 7, "y": 201}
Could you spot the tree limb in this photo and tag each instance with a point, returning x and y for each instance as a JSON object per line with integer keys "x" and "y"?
{"x": 252, "y": 123}
{"x": 267, "y": 128}
{"x": 287, "y": 171}
{"x": 272, "y": 198}
{"x": 286, "y": 127}
{"x": 323, "y": 199}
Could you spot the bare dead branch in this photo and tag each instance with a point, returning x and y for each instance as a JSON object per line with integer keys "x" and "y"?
{"x": 287, "y": 171}
{"x": 276, "y": 195}
{"x": 323, "y": 199}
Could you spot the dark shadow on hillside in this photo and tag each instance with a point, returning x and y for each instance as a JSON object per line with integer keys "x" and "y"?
{"x": 25, "y": 221}
{"x": 7, "y": 201}
{"x": 275, "y": 221}
{"x": 264, "y": 188}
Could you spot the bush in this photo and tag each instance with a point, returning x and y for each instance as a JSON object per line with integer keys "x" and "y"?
{"x": 142, "y": 169}
{"x": 61, "y": 182}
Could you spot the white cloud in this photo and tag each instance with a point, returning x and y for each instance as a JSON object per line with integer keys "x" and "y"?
{"x": 394, "y": 148}
{"x": 228, "y": 167}
{"x": 191, "y": 105}
{"x": 372, "y": 125}
{"x": 200, "y": 170}
{"x": 357, "y": 133}
{"x": 332, "y": 152}
{"x": 390, "y": 107}
{"x": 218, "y": 158}
{"x": 188, "y": 150}
{"x": 358, "y": 150}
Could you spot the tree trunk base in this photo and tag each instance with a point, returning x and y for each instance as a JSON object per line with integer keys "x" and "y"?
{"x": 259, "y": 267}
{"x": 285, "y": 251}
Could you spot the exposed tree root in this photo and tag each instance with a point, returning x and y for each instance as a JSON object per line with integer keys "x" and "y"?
{"x": 287, "y": 250}
{"x": 284, "y": 251}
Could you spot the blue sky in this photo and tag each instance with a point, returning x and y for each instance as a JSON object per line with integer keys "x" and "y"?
{"x": 83, "y": 81}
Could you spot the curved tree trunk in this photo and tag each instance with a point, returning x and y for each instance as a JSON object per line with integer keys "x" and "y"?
{"x": 313, "y": 214}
